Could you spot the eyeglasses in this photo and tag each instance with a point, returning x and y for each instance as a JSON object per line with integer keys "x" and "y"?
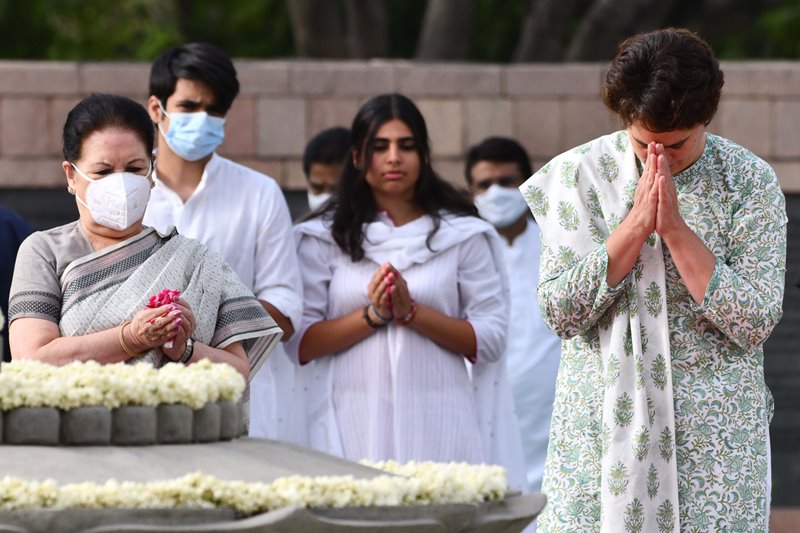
{"x": 503, "y": 181}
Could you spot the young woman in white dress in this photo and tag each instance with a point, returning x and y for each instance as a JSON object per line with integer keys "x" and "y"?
{"x": 406, "y": 306}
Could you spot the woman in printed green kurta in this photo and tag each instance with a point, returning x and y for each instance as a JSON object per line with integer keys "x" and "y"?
{"x": 666, "y": 285}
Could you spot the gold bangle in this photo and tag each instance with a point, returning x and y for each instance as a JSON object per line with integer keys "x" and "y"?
{"x": 127, "y": 350}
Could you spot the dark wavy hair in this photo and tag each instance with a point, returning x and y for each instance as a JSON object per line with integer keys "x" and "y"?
{"x": 100, "y": 111}
{"x": 202, "y": 62}
{"x": 353, "y": 205}
{"x": 666, "y": 80}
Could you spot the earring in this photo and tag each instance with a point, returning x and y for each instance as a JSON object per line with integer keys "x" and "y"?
{"x": 70, "y": 189}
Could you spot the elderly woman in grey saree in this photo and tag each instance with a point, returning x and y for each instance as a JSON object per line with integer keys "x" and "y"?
{"x": 80, "y": 290}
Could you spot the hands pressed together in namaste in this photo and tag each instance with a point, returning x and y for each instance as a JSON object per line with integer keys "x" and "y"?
{"x": 389, "y": 296}
{"x": 655, "y": 204}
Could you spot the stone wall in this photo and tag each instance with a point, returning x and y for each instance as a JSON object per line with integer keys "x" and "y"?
{"x": 550, "y": 108}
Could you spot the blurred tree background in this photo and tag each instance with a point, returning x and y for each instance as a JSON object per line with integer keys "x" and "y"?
{"x": 499, "y": 31}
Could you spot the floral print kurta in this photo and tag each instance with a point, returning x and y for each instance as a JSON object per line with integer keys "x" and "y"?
{"x": 710, "y": 369}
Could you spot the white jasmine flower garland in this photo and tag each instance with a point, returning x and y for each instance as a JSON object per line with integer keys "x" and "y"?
{"x": 426, "y": 483}
{"x": 34, "y": 384}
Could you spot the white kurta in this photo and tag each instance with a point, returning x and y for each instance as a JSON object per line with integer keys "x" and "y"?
{"x": 396, "y": 394}
{"x": 242, "y": 215}
{"x": 532, "y": 352}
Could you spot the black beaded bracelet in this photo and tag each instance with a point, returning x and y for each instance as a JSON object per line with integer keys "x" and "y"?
{"x": 382, "y": 318}
{"x": 371, "y": 323}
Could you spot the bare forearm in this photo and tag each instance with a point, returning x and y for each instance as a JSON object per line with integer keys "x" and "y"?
{"x": 330, "y": 336}
{"x": 623, "y": 247}
{"x": 103, "y": 346}
{"x": 283, "y": 322}
{"x": 693, "y": 259}
{"x": 450, "y": 333}
{"x": 233, "y": 355}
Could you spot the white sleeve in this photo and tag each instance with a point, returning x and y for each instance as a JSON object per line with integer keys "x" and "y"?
{"x": 276, "y": 272}
{"x": 314, "y": 259}
{"x": 484, "y": 303}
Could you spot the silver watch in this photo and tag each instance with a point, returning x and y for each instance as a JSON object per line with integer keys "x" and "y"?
{"x": 187, "y": 353}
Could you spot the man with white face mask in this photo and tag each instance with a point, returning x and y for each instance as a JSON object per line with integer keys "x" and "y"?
{"x": 495, "y": 169}
{"x": 234, "y": 210}
{"x": 323, "y": 159}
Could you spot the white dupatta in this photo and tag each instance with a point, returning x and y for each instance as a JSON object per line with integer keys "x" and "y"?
{"x": 578, "y": 199}
{"x": 403, "y": 247}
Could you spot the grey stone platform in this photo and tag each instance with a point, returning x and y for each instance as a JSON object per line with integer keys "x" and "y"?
{"x": 245, "y": 459}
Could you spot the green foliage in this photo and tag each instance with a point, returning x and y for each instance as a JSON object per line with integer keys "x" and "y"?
{"x": 404, "y": 19}
{"x": 496, "y": 29}
{"x": 773, "y": 35}
{"x": 23, "y": 40}
{"x": 140, "y": 29}
{"x": 243, "y": 28}
{"x": 99, "y": 29}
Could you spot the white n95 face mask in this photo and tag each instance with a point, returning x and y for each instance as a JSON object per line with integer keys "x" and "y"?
{"x": 118, "y": 200}
{"x": 501, "y": 206}
{"x": 316, "y": 200}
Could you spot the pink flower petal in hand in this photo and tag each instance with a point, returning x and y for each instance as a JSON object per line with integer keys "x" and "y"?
{"x": 165, "y": 297}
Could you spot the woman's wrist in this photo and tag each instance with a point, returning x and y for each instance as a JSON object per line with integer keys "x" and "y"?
{"x": 372, "y": 318}
{"x": 409, "y": 317}
{"x": 129, "y": 346}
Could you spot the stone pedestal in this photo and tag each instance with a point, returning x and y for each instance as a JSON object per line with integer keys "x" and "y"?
{"x": 31, "y": 425}
{"x": 134, "y": 424}
{"x": 207, "y": 423}
{"x": 230, "y": 420}
{"x": 86, "y": 425}
{"x": 174, "y": 424}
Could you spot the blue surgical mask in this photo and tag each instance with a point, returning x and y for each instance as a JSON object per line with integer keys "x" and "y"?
{"x": 193, "y": 136}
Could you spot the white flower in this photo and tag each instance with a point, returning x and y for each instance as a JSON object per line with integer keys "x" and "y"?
{"x": 77, "y": 384}
{"x": 412, "y": 484}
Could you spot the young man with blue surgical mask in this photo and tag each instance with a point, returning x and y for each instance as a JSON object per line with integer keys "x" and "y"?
{"x": 234, "y": 210}
{"x": 495, "y": 169}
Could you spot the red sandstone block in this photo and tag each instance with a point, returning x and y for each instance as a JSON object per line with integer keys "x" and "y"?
{"x": 37, "y": 172}
{"x": 262, "y": 77}
{"x": 23, "y": 126}
{"x": 281, "y": 127}
{"x": 292, "y": 177}
{"x": 445, "y": 122}
{"x": 554, "y": 80}
{"x": 448, "y": 79}
{"x": 761, "y": 78}
{"x": 341, "y": 78}
{"x": 240, "y": 128}
{"x": 784, "y": 519}
{"x": 538, "y": 127}
{"x": 584, "y": 120}
{"x": 487, "y": 117}
{"x": 130, "y": 79}
{"x": 58, "y": 108}
{"x": 38, "y": 78}
{"x": 747, "y": 122}
{"x": 786, "y": 134}
{"x": 452, "y": 170}
{"x": 330, "y": 112}
{"x": 788, "y": 175}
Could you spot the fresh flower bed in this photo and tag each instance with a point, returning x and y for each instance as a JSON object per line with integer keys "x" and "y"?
{"x": 417, "y": 484}
{"x": 33, "y": 384}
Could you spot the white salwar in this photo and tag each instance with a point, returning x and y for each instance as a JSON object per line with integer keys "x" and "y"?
{"x": 242, "y": 215}
{"x": 532, "y": 353}
{"x": 396, "y": 394}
